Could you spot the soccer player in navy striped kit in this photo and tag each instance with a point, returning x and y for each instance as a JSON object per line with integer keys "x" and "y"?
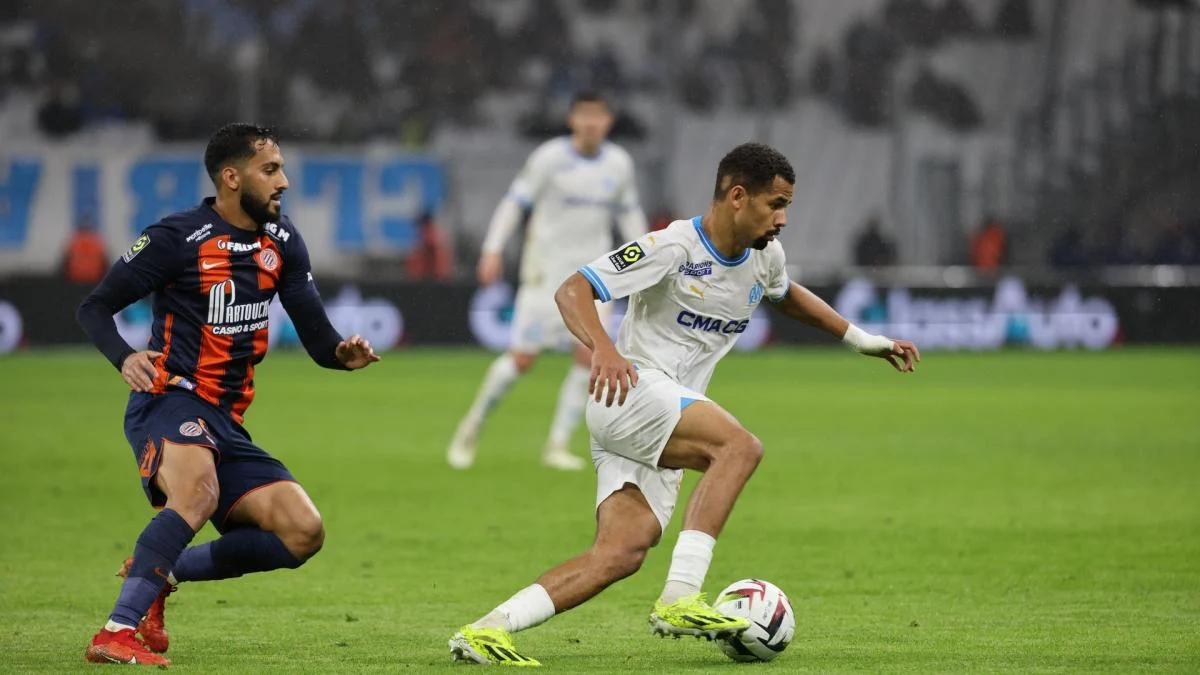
{"x": 213, "y": 271}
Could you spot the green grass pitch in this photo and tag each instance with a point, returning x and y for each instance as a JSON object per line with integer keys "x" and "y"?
{"x": 1014, "y": 512}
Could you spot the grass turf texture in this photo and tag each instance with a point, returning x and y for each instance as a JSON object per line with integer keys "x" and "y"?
{"x": 1006, "y": 512}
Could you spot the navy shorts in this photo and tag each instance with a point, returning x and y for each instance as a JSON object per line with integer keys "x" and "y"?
{"x": 185, "y": 419}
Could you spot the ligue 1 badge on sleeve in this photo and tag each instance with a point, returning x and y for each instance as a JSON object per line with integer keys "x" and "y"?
{"x": 138, "y": 246}
{"x": 627, "y": 256}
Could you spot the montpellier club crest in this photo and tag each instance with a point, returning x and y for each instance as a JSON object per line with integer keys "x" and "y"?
{"x": 268, "y": 260}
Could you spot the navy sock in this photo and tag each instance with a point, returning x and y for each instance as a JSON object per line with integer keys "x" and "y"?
{"x": 158, "y": 547}
{"x": 238, "y": 552}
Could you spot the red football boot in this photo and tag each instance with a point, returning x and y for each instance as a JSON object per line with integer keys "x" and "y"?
{"x": 122, "y": 646}
{"x": 153, "y": 628}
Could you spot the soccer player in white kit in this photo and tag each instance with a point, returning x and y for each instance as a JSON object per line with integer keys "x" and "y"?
{"x": 692, "y": 288}
{"x": 575, "y": 186}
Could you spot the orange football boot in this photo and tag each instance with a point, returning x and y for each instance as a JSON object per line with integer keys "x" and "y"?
{"x": 122, "y": 646}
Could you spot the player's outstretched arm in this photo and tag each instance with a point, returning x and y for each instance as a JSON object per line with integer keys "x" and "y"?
{"x": 611, "y": 372}
{"x": 299, "y": 296}
{"x": 804, "y": 306}
{"x": 320, "y": 339}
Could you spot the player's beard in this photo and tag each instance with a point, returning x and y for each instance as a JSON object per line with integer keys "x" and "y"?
{"x": 761, "y": 243}
{"x": 259, "y": 212}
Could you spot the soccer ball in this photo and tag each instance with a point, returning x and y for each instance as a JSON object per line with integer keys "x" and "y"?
{"x": 772, "y": 623}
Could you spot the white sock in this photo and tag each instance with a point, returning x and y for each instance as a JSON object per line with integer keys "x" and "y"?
{"x": 572, "y": 398}
{"x": 113, "y": 626}
{"x": 500, "y": 377}
{"x": 529, "y": 607}
{"x": 689, "y": 564}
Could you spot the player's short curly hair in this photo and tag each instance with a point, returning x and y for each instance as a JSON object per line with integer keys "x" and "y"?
{"x": 754, "y": 166}
{"x": 232, "y": 143}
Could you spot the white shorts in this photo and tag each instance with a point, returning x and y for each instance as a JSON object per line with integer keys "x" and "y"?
{"x": 628, "y": 440}
{"x": 537, "y": 324}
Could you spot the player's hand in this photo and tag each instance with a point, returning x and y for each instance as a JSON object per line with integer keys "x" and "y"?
{"x": 489, "y": 269}
{"x": 138, "y": 369}
{"x": 611, "y": 373}
{"x": 903, "y": 356}
{"x": 355, "y": 352}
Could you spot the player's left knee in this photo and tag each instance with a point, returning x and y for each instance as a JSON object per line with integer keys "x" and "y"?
{"x": 305, "y": 537}
{"x": 752, "y": 449}
{"x": 621, "y": 563}
{"x": 744, "y": 448}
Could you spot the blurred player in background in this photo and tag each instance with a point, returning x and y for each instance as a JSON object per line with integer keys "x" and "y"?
{"x": 692, "y": 290}
{"x": 573, "y": 188}
{"x": 213, "y": 271}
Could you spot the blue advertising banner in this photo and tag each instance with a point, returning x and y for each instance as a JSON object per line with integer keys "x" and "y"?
{"x": 345, "y": 203}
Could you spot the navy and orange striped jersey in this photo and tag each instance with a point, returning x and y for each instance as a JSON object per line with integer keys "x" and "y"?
{"x": 212, "y": 284}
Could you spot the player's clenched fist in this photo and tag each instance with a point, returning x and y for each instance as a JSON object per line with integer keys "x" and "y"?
{"x": 138, "y": 369}
{"x": 613, "y": 373}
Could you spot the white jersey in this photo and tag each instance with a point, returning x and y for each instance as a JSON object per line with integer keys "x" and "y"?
{"x": 575, "y": 200}
{"x": 687, "y": 302}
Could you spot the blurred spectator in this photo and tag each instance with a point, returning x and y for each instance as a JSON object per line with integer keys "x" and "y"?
{"x": 955, "y": 19}
{"x": 18, "y": 61}
{"x": 1014, "y": 20}
{"x": 600, "y": 6}
{"x": 431, "y": 258}
{"x": 60, "y": 114}
{"x": 1068, "y": 250}
{"x": 546, "y": 29}
{"x": 1117, "y": 250}
{"x": 767, "y": 65}
{"x": 100, "y": 95}
{"x": 913, "y": 22}
{"x": 871, "y": 53}
{"x": 697, "y": 90}
{"x": 660, "y": 220}
{"x": 820, "y": 79}
{"x": 330, "y": 50}
{"x": 605, "y": 70}
{"x": 872, "y": 248}
{"x": 946, "y": 101}
{"x": 989, "y": 246}
{"x": 1174, "y": 246}
{"x": 85, "y": 260}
